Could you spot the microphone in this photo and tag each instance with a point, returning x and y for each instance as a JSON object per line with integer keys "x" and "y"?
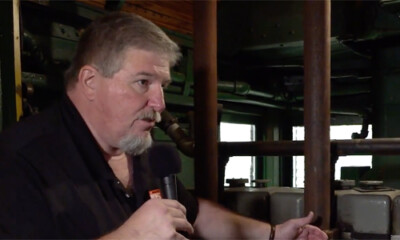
{"x": 165, "y": 163}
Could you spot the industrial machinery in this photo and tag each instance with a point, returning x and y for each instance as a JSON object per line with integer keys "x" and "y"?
{"x": 277, "y": 65}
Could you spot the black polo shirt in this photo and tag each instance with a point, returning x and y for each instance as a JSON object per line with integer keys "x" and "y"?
{"x": 55, "y": 183}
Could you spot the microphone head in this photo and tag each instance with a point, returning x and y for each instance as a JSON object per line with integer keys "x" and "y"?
{"x": 164, "y": 160}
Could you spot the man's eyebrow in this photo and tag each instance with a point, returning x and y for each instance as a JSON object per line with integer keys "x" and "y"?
{"x": 144, "y": 74}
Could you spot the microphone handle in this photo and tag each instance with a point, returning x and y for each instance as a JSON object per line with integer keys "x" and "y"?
{"x": 170, "y": 191}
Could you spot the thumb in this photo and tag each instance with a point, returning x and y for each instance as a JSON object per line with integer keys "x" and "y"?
{"x": 305, "y": 220}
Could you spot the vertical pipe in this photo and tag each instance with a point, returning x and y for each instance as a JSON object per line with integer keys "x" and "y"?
{"x": 317, "y": 109}
{"x": 205, "y": 83}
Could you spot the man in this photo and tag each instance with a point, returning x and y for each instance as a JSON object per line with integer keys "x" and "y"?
{"x": 77, "y": 170}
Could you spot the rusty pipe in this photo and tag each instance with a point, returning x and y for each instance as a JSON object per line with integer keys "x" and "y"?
{"x": 317, "y": 191}
{"x": 376, "y": 146}
{"x": 170, "y": 126}
{"x": 205, "y": 98}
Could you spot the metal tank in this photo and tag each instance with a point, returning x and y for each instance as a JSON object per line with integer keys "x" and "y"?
{"x": 365, "y": 213}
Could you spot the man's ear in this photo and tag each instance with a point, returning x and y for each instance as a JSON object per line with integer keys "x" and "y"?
{"x": 87, "y": 79}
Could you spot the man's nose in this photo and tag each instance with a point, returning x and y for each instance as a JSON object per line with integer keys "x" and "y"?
{"x": 156, "y": 99}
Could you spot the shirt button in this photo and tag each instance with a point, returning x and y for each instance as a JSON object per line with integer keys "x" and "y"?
{"x": 127, "y": 195}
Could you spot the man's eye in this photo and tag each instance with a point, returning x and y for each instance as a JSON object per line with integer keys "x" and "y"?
{"x": 143, "y": 82}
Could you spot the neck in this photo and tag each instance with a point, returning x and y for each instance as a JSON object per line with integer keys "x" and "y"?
{"x": 122, "y": 167}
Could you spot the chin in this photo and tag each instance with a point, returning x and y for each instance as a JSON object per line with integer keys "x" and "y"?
{"x": 136, "y": 145}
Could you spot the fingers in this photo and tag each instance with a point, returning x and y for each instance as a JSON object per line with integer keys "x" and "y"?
{"x": 183, "y": 225}
{"x": 177, "y": 214}
{"x": 175, "y": 204}
{"x": 162, "y": 218}
{"x": 309, "y": 217}
{"x": 315, "y": 233}
{"x": 310, "y": 232}
{"x": 300, "y": 229}
{"x": 179, "y": 236}
{"x": 300, "y": 222}
{"x": 302, "y": 234}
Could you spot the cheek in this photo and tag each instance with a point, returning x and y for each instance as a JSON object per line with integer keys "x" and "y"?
{"x": 122, "y": 103}
{"x": 112, "y": 109}
{"x": 129, "y": 106}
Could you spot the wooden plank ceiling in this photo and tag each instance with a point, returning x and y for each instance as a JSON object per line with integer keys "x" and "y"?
{"x": 173, "y": 15}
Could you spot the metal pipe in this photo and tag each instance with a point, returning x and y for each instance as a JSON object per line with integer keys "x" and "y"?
{"x": 170, "y": 126}
{"x": 268, "y": 148}
{"x": 364, "y": 130}
{"x": 205, "y": 79}
{"x": 376, "y": 146}
{"x": 317, "y": 67}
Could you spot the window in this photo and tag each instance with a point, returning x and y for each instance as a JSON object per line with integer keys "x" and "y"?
{"x": 243, "y": 166}
{"x": 336, "y": 132}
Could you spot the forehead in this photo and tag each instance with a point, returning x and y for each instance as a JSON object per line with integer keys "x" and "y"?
{"x": 137, "y": 60}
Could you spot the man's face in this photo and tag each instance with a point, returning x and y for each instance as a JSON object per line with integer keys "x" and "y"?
{"x": 130, "y": 100}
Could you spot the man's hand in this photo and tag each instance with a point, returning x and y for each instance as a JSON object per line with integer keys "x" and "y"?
{"x": 300, "y": 229}
{"x": 155, "y": 219}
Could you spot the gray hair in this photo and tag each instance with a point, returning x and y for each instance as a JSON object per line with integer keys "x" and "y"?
{"x": 104, "y": 42}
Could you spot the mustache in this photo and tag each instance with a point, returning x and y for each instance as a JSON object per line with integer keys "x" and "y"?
{"x": 150, "y": 115}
